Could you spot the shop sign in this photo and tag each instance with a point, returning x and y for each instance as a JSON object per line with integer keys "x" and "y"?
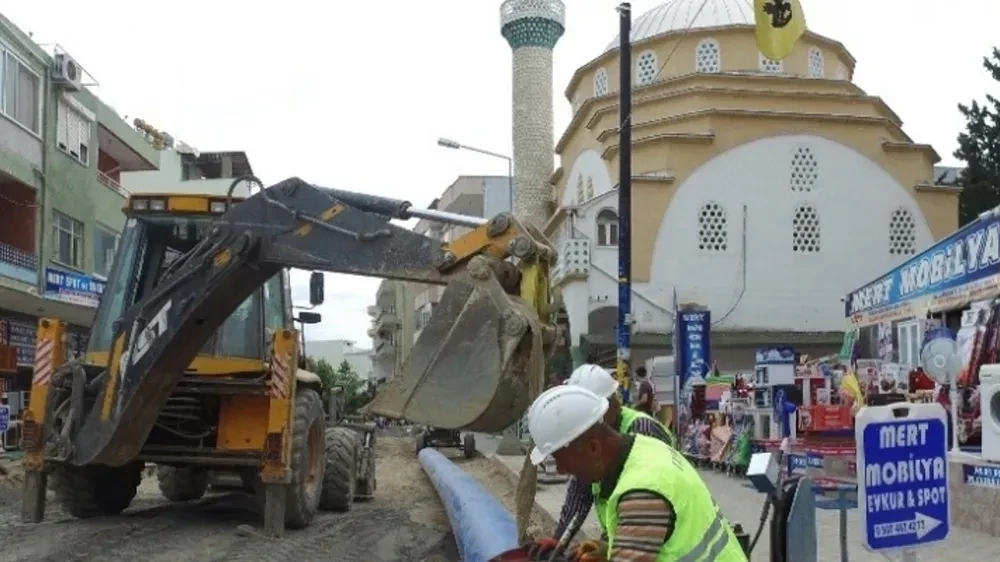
{"x": 20, "y": 336}
{"x": 964, "y": 266}
{"x": 982, "y": 476}
{"x": 73, "y": 288}
{"x": 693, "y": 339}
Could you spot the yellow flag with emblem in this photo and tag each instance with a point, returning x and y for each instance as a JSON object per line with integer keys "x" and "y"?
{"x": 780, "y": 24}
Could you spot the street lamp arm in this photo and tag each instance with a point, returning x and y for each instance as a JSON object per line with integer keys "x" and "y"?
{"x": 487, "y": 152}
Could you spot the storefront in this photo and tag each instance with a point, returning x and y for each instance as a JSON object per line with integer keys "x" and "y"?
{"x": 71, "y": 297}
{"x": 933, "y": 288}
{"x": 955, "y": 284}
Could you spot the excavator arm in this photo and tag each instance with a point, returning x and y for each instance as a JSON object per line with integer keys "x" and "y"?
{"x": 473, "y": 367}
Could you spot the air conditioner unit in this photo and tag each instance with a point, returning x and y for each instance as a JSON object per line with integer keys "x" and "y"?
{"x": 67, "y": 73}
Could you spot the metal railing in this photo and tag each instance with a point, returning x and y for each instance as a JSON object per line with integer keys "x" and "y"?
{"x": 111, "y": 183}
{"x": 17, "y": 257}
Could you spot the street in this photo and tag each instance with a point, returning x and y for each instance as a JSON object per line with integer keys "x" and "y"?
{"x": 405, "y": 522}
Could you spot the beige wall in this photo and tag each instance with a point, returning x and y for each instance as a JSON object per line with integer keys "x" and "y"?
{"x": 682, "y": 123}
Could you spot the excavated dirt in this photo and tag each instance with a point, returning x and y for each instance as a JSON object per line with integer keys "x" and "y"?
{"x": 404, "y": 523}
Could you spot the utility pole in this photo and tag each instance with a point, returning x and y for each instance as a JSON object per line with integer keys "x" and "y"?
{"x": 624, "y": 197}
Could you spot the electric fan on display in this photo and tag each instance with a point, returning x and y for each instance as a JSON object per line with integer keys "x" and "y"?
{"x": 940, "y": 356}
{"x": 942, "y": 362}
{"x": 783, "y": 410}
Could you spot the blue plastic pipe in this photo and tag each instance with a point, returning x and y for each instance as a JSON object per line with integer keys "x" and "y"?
{"x": 483, "y": 528}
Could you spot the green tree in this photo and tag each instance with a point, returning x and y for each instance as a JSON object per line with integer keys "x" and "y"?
{"x": 979, "y": 148}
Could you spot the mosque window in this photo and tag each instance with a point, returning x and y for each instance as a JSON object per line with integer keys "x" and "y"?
{"x": 646, "y": 68}
{"x": 805, "y": 230}
{"x": 771, "y": 66}
{"x": 590, "y": 188}
{"x": 713, "y": 228}
{"x": 607, "y": 228}
{"x": 708, "y": 56}
{"x": 902, "y": 233}
{"x": 579, "y": 190}
{"x": 805, "y": 170}
{"x": 601, "y": 83}
{"x": 816, "y": 65}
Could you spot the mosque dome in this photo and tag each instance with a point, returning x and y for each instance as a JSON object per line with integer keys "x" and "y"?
{"x": 678, "y": 15}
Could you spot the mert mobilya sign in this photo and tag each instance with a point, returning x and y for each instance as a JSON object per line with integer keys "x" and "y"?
{"x": 963, "y": 267}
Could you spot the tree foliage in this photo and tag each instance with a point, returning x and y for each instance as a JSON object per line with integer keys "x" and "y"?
{"x": 351, "y": 386}
{"x": 979, "y": 148}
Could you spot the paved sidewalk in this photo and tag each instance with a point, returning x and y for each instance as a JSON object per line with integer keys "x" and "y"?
{"x": 742, "y": 504}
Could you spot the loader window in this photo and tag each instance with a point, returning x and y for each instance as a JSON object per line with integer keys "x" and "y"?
{"x": 121, "y": 285}
{"x": 148, "y": 246}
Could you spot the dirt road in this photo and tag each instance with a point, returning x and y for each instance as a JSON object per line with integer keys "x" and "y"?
{"x": 404, "y": 523}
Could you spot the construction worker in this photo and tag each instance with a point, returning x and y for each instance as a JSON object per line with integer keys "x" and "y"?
{"x": 656, "y": 508}
{"x": 581, "y": 495}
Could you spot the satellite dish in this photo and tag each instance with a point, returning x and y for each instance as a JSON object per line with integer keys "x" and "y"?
{"x": 940, "y": 357}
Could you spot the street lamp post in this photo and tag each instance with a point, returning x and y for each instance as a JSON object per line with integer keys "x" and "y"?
{"x": 454, "y": 145}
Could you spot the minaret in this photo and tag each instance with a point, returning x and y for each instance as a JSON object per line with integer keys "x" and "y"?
{"x": 532, "y": 28}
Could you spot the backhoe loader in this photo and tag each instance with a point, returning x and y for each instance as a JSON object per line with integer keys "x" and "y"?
{"x": 194, "y": 362}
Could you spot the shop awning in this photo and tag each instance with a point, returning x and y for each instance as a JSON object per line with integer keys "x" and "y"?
{"x": 962, "y": 268}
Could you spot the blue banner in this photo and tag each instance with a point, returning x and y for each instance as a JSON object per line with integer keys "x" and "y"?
{"x": 692, "y": 356}
{"x": 980, "y": 475}
{"x": 971, "y": 254}
{"x": 73, "y": 288}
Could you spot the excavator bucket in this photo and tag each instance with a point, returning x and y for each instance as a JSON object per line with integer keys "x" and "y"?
{"x": 475, "y": 363}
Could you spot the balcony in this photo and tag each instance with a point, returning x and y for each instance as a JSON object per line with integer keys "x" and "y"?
{"x": 109, "y": 173}
{"x": 18, "y": 264}
{"x": 17, "y": 231}
{"x": 373, "y": 310}
{"x": 386, "y": 319}
{"x": 121, "y": 142}
{"x": 384, "y": 348}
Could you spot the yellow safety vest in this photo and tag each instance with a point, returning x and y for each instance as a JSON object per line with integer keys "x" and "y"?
{"x": 701, "y": 533}
{"x": 628, "y": 417}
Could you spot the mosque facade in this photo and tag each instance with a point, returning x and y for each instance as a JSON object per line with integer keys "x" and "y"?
{"x": 762, "y": 190}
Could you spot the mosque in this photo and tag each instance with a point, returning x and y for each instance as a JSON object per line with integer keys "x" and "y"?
{"x": 763, "y": 190}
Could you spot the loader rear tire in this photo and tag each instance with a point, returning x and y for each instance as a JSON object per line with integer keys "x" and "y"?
{"x": 96, "y": 490}
{"x": 181, "y": 484}
{"x": 340, "y": 474}
{"x": 308, "y": 459}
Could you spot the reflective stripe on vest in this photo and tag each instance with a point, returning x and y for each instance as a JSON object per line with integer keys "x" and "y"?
{"x": 701, "y": 533}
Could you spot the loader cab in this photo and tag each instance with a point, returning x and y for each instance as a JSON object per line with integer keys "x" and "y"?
{"x": 158, "y": 230}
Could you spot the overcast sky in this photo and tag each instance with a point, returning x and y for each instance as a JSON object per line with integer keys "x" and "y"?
{"x": 354, "y": 94}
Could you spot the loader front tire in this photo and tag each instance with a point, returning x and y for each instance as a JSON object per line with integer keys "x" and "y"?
{"x": 91, "y": 491}
{"x": 340, "y": 475}
{"x": 181, "y": 484}
{"x": 308, "y": 459}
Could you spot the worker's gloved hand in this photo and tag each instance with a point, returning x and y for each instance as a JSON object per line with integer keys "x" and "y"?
{"x": 589, "y": 551}
{"x": 542, "y": 547}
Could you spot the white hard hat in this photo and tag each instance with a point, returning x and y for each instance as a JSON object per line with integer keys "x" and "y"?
{"x": 594, "y": 378}
{"x": 560, "y": 415}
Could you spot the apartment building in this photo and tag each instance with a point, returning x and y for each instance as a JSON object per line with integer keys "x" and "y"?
{"x": 62, "y": 154}
{"x": 401, "y": 309}
{"x": 336, "y": 352}
{"x": 391, "y": 330}
{"x": 185, "y": 169}
{"x": 480, "y": 196}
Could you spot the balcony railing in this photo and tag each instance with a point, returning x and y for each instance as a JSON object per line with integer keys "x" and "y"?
{"x": 18, "y": 264}
{"x": 111, "y": 184}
